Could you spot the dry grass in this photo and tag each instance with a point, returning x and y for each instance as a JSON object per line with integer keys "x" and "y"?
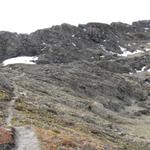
{"x": 67, "y": 139}
{"x": 4, "y": 96}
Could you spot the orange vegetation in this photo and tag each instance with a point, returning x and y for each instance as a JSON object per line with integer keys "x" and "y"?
{"x": 67, "y": 139}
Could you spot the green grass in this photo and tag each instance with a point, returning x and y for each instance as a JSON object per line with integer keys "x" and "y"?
{"x": 4, "y": 96}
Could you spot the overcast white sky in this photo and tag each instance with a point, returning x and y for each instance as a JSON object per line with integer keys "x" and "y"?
{"x": 25, "y": 16}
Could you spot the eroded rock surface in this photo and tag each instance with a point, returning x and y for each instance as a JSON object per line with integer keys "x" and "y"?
{"x": 90, "y": 82}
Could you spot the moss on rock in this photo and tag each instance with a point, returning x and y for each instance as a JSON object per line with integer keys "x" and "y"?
{"x": 4, "y": 96}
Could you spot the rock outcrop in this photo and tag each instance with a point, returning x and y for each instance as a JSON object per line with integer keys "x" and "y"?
{"x": 89, "y": 88}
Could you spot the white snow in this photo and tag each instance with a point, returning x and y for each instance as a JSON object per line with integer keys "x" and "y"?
{"x": 127, "y": 53}
{"x": 44, "y": 43}
{"x": 147, "y": 49}
{"x": 102, "y": 56}
{"x": 143, "y": 69}
{"x": 84, "y": 30}
{"x": 73, "y": 35}
{"x": 42, "y": 49}
{"x": 146, "y": 29}
{"x": 20, "y": 60}
{"x": 122, "y": 48}
{"x": 130, "y": 73}
{"x": 74, "y": 44}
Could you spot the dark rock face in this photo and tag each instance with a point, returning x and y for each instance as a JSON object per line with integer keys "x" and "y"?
{"x": 66, "y": 43}
{"x": 12, "y": 45}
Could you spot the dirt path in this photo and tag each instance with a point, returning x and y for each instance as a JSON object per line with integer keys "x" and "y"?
{"x": 12, "y": 105}
{"x": 26, "y": 139}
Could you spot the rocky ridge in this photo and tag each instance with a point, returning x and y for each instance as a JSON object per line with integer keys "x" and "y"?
{"x": 90, "y": 82}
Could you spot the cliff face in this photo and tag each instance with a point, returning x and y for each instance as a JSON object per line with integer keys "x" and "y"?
{"x": 88, "y": 90}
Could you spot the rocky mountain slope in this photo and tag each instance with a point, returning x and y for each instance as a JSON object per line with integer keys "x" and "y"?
{"x": 89, "y": 89}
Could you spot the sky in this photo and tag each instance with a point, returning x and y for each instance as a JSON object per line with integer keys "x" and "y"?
{"x": 26, "y": 16}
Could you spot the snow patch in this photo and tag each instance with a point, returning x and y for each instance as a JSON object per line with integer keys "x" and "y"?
{"x": 147, "y": 49}
{"x": 74, "y": 44}
{"x": 127, "y": 53}
{"x": 146, "y": 29}
{"x": 20, "y": 60}
{"x": 102, "y": 56}
{"x": 143, "y": 69}
{"x": 84, "y": 30}
{"x": 122, "y": 49}
{"x": 130, "y": 73}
